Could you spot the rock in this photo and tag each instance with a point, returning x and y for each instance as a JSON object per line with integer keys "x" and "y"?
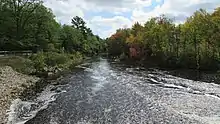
{"x": 49, "y": 74}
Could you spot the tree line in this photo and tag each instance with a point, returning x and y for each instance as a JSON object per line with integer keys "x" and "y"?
{"x": 29, "y": 25}
{"x": 194, "y": 44}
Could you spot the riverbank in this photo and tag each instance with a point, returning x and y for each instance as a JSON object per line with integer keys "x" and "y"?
{"x": 12, "y": 84}
{"x": 209, "y": 76}
{"x": 204, "y": 76}
{"x": 24, "y": 77}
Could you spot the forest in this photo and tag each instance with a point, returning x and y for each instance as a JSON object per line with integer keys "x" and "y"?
{"x": 195, "y": 44}
{"x": 27, "y": 25}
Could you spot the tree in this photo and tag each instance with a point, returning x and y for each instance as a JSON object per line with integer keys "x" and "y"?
{"x": 23, "y": 10}
{"x": 79, "y": 23}
{"x": 29, "y": 25}
{"x": 70, "y": 39}
{"x": 46, "y": 29}
{"x": 117, "y": 43}
{"x": 17, "y": 15}
{"x": 193, "y": 44}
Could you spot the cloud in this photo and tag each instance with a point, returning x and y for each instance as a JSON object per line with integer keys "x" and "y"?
{"x": 118, "y": 5}
{"x": 107, "y": 26}
{"x": 64, "y": 10}
{"x": 124, "y": 12}
{"x": 177, "y": 9}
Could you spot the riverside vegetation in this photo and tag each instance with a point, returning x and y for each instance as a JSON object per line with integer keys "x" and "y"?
{"x": 194, "y": 44}
{"x": 29, "y": 25}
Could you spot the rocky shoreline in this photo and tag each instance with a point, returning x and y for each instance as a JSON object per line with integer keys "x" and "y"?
{"x": 13, "y": 85}
{"x": 192, "y": 74}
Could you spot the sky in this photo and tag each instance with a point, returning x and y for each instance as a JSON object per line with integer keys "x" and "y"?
{"x": 105, "y": 16}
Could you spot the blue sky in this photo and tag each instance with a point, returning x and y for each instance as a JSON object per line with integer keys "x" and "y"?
{"x": 105, "y": 16}
{"x": 128, "y": 14}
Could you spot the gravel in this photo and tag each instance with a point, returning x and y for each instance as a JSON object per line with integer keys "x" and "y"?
{"x": 12, "y": 84}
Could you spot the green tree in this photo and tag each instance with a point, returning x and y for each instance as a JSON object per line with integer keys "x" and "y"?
{"x": 193, "y": 44}
{"x": 71, "y": 39}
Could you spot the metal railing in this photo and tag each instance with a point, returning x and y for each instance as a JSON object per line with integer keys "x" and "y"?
{"x": 8, "y": 53}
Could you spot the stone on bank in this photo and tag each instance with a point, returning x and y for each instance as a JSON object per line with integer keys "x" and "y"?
{"x": 12, "y": 84}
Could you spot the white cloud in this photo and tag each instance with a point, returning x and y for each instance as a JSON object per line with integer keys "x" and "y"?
{"x": 180, "y": 9}
{"x": 64, "y": 10}
{"x": 107, "y": 26}
{"x": 117, "y": 5}
{"x": 177, "y": 9}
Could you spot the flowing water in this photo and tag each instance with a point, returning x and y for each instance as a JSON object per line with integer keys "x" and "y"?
{"x": 106, "y": 92}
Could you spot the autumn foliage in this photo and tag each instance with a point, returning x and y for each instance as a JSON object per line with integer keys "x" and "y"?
{"x": 193, "y": 44}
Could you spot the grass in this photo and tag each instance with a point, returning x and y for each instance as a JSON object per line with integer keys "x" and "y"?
{"x": 42, "y": 63}
{"x": 20, "y": 64}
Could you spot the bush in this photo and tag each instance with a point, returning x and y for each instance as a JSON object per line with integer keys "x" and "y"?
{"x": 43, "y": 62}
{"x": 52, "y": 61}
{"x": 20, "y": 64}
{"x": 76, "y": 58}
{"x": 209, "y": 63}
{"x": 123, "y": 57}
{"x": 55, "y": 59}
{"x": 39, "y": 61}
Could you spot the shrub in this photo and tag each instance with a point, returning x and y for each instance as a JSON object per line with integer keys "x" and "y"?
{"x": 123, "y": 57}
{"x": 76, "y": 58}
{"x": 20, "y": 64}
{"x": 55, "y": 59}
{"x": 39, "y": 61}
{"x": 52, "y": 61}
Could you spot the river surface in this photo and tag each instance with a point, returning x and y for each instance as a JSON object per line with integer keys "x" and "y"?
{"x": 108, "y": 92}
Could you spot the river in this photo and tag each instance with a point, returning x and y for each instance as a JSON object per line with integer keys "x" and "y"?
{"x": 109, "y": 92}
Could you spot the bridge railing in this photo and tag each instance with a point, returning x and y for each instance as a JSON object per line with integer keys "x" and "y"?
{"x": 8, "y": 53}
